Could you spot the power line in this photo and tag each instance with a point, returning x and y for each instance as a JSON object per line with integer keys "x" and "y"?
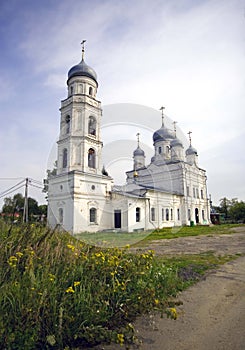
{"x": 9, "y": 189}
{"x": 15, "y": 189}
{"x": 12, "y": 178}
{"x": 35, "y": 186}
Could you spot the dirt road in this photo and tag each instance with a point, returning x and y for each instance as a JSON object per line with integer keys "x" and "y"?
{"x": 212, "y": 316}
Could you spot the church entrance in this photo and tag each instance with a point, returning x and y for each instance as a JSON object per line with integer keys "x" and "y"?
{"x": 117, "y": 219}
{"x": 197, "y": 216}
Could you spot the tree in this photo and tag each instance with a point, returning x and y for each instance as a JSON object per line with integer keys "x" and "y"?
{"x": 237, "y": 211}
{"x": 224, "y": 206}
{"x": 15, "y": 205}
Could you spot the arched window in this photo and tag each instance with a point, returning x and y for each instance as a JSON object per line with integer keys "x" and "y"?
{"x": 91, "y": 158}
{"x": 90, "y": 92}
{"x": 92, "y": 126}
{"x": 167, "y": 214}
{"x": 71, "y": 90}
{"x": 68, "y": 124}
{"x": 93, "y": 215}
{"x": 64, "y": 160}
{"x": 137, "y": 213}
{"x": 162, "y": 214}
{"x": 153, "y": 214}
{"x": 159, "y": 150}
{"x": 178, "y": 214}
{"x": 171, "y": 214}
{"x": 61, "y": 215}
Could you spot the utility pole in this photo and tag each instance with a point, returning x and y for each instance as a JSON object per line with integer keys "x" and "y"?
{"x": 25, "y": 212}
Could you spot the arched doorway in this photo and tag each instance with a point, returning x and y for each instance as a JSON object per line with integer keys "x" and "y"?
{"x": 197, "y": 216}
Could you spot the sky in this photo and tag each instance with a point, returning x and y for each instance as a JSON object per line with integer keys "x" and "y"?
{"x": 187, "y": 55}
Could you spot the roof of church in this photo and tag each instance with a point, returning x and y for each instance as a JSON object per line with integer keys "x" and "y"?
{"x": 139, "y": 152}
{"x": 82, "y": 69}
{"x": 190, "y": 150}
{"x": 163, "y": 134}
{"x": 176, "y": 142}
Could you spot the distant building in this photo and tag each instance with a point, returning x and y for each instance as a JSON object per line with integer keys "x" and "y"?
{"x": 170, "y": 191}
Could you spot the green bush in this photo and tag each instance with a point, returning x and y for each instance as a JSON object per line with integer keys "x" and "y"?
{"x": 57, "y": 292}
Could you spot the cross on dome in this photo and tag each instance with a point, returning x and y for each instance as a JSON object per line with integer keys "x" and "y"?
{"x": 83, "y": 49}
{"x": 162, "y": 109}
{"x": 138, "y": 139}
{"x": 174, "y": 123}
{"x": 189, "y": 133}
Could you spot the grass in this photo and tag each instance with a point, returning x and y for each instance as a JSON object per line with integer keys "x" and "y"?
{"x": 120, "y": 239}
{"x": 57, "y": 292}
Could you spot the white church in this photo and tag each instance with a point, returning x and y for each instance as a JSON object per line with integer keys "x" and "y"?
{"x": 82, "y": 197}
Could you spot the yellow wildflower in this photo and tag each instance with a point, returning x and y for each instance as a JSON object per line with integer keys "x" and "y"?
{"x": 12, "y": 261}
{"x": 77, "y": 283}
{"x": 71, "y": 247}
{"x": 156, "y": 301}
{"x": 70, "y": 290}
{"x": 19, "y": 254}
{"x": 120, "y": 338}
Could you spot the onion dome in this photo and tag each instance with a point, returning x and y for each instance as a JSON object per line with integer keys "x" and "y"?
{"x": 139, "y": 152}
{"x": 82, "y": 69}
{"x": 190, "y": 150}
{"x": 176, "y": 142}
{"x": 163, "y": 134}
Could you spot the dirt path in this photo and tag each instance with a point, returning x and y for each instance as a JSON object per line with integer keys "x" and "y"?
{"x": 212, "y": 316}
{"x": 219, "y": 244}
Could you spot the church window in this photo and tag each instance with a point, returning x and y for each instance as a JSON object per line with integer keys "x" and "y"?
{"x": 91, "y": 158}
{"x": 194, "y": 192}
{"x": 202, "y": 194}
{"x": 189, "y": 214}
{"x": 162, "y": 214}
{"x": 197, "y": 192}
{"x": 178, "y": 214}
{"x": 90, "y": 91}
{"x": 68, "y": 124}
{"x": 92, "y": 215}
{"x": 153, "y": 214}
{"x": 159, "y": 150}
{"x": 92, "y": 126}
{"x": 171, "y": 214}
{"x": 188, "y": 191}
{"x": 64, "y": 160}
{"x": 61, "y": 215}
{"x": 137, "y": 212}
{"x": 167, "y": 214}
{"x": 71, "y": 90}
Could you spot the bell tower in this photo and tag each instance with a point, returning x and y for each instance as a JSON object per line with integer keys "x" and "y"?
{"x": 79, "y": 192}
{"x": 79, "y": 144}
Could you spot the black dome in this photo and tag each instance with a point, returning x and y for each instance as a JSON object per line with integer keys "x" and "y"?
{"x": 139, "y": 152}
{"x": 163, "y": 134}
{"x": 82, "y": 69}
{"x": 176, "y": 142}
{"x": 190, "y": 150}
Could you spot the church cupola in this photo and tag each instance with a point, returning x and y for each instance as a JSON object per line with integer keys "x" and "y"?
{"x": 191, "y": 153}
{"x": 79, "y": 144}
{"x": 138, "y": 156}
{"x": 176, "y": 147}
{"x": 161, "y": 141}
{"x": 82, "y": 79}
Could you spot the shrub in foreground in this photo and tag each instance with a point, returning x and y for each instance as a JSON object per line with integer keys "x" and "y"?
{"x": 57, "y": 292}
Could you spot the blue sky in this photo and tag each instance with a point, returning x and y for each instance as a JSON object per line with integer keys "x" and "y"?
{"x": 185, "y": 55}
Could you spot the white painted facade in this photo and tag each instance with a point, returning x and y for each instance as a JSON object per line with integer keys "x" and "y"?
{"x": 170, "y": 191}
